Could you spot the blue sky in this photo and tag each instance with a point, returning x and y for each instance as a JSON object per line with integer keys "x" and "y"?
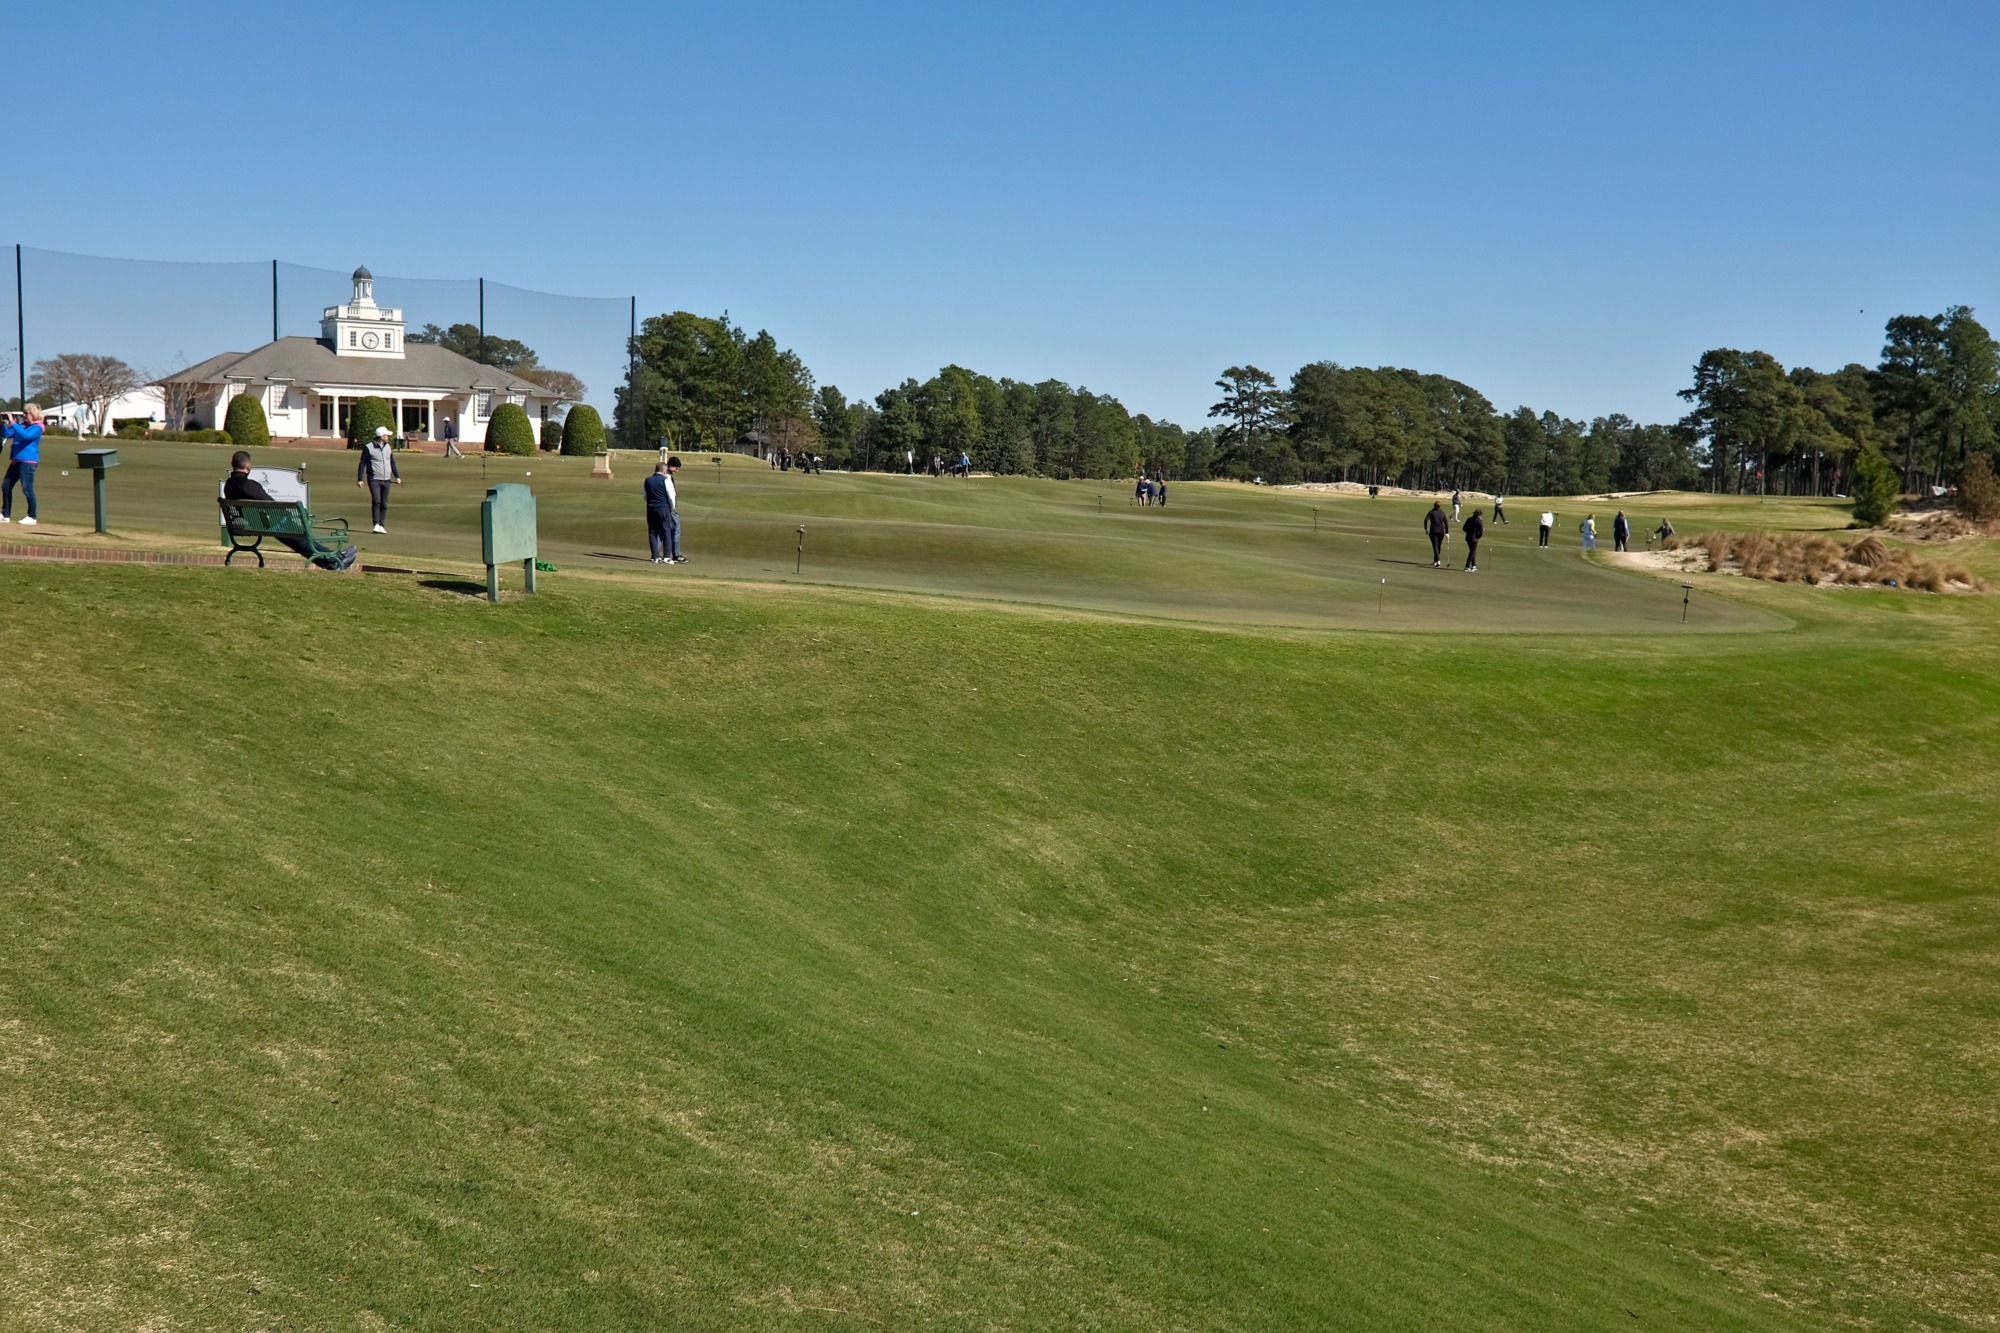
{"x": 1561, "y": 204}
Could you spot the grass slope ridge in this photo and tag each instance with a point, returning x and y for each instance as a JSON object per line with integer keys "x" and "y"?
{"x": 821, "y": 961}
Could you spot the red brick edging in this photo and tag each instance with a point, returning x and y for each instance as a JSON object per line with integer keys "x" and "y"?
{"x": 36, "y": 551}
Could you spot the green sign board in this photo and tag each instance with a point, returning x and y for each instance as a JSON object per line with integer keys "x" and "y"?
{"x": 507, "y": 529}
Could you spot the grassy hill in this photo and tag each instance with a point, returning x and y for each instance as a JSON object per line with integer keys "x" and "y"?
{"x": 715, "y": 954}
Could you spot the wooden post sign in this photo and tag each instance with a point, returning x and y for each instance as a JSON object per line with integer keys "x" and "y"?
{"x": 507, "y": 525}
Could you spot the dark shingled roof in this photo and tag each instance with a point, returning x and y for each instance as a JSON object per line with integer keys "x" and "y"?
{"x": 310, "y": 361}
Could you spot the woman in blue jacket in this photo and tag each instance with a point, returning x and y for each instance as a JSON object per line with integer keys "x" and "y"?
{"x": 24, "y": 454}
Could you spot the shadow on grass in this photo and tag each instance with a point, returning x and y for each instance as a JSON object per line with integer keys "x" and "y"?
{"x": 465, "y": 587}
{"x": 619, "y": 555}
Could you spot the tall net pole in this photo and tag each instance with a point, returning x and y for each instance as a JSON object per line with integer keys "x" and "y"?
{"x": 20, "y": 328}
{"x": 274, "y": 300}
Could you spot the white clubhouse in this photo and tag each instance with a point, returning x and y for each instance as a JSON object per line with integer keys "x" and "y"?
{"x": 308, "y": 386}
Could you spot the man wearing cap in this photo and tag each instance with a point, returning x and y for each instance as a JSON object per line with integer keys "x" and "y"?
{"x": 663, "y": 517}
{"x": 376, "y": 472}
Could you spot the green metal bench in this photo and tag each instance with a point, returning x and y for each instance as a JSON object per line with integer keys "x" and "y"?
{"x": 246, "y": 523}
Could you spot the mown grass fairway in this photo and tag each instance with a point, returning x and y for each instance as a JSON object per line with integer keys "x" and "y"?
{"x": 1218, "y": 552}
{"x": 661, "y": 953}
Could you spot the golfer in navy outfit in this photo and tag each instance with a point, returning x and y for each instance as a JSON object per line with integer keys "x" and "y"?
{"x": 663, "y": 520}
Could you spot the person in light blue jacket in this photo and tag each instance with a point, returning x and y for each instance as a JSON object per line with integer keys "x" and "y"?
{"x": 24, "y": 455}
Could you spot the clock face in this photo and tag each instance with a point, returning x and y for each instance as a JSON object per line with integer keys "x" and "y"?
{"x": 370, "y": 340}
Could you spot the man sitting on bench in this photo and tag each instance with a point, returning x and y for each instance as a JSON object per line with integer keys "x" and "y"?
{"x": 240, "y": 485}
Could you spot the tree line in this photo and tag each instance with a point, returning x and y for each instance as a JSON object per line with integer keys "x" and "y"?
{"x": 704, "y": 383}
{"x": 1927, "y": 409}
{"x": 1923, "y": 412}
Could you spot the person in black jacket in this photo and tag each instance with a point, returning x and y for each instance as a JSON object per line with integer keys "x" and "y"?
{"x": 1437, "y": 527}
{"x": 1475, "y": 528}
{"x": 1621, "y": 532}
{"x": 240, "y": 485}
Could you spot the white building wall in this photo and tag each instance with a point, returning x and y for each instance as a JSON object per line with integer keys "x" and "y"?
{"x": 145, "y": 402}
{"x": 299, "y": 417}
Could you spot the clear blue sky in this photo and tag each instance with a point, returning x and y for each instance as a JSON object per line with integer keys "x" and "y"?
{"x": 1560, "y": 204}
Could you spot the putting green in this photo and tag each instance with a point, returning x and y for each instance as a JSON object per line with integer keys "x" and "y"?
{"x": 1217, "y": 552}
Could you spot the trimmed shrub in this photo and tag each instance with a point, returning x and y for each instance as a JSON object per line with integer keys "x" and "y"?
{"x": 551, "y": 435}
{"x": 191, "y": 436}
{"x": 130, "y": 426}
{"x": 583, "y": 432}
{"x": 1876, "y": 488}
{"x": 245, "y": 421}
{"x": 510, "y": 431}
{"x": 366, "y": 416}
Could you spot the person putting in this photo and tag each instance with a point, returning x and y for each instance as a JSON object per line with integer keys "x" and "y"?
{"x": 1548, "y": 525}
{"x": 1437, "y": 527}
{"x": 377, "y": 471}
{"x": 663, "y": 515}
{"x": 1475, "y": 528}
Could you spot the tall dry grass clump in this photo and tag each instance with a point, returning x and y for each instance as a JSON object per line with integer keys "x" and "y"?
{"x": 1816, "y": 559}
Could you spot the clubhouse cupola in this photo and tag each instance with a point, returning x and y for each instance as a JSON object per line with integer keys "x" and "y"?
{"x": 362, "y": 328}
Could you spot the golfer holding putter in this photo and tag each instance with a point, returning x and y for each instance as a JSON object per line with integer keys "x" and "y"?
{"x": 1437, "y": 527}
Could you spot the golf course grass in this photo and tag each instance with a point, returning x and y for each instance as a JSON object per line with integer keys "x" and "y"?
{"x": 1219, "y": 552}
{"x": 1114, "y": 934}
